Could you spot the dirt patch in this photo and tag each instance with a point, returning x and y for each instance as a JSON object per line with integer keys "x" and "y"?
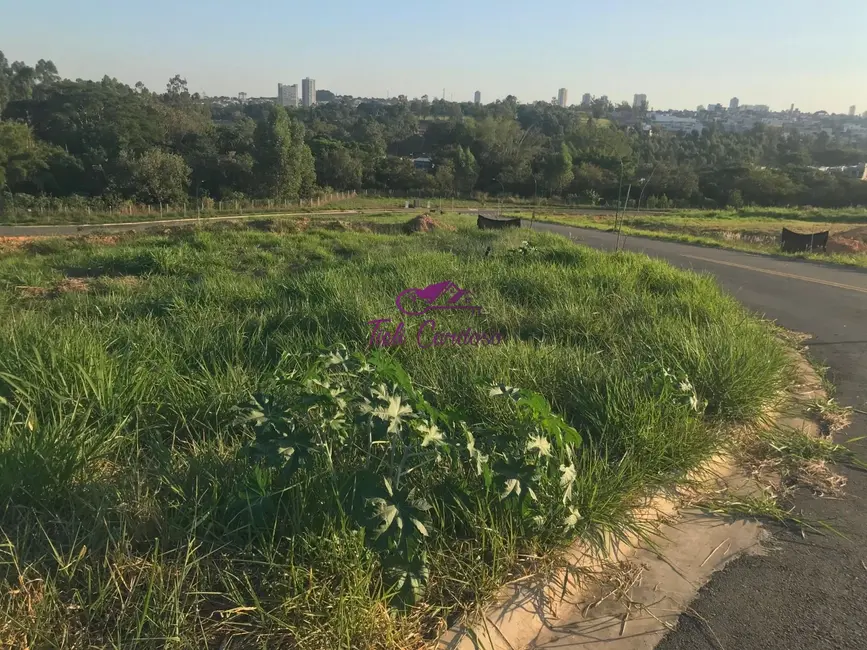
{"x": 15, "y": 243}
{"x": 126, "y": 281}
{"x": 32, "y": 292}
{"x": 846, "y": 245}
{"x": 293, "y": 226}
{"x": 344, "y": 226}
{"x": 426, "y": 223}
{"x": 72, "y": 285}
{"x": 66, "y": 285}
{"x": 42, "y": 244}
{"x": 853, "y": 240}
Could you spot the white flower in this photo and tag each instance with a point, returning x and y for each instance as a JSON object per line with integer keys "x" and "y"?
{"x": 568, "y": 473}
{"x": 432, "y": 435}
{"x": 693, "y": 402}
{"x": 393, "y": 413}
{"x": 572, "y": 519}
{"x": 475, "y": 455}
{"x": 502, "y": 389}
{"x": 471, "y": 441}
{"x": 540, "y": 444}
{"x": 334, "y": 358}
{"x": 513, "y": 485}
{"x": 685, "y": 386}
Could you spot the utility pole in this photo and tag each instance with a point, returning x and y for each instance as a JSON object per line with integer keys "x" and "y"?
{"x": 535, "y": 202}
{"x": 623, "y": 216}
{"x": 500, "y": 202}
{"x": 619, "y": 195}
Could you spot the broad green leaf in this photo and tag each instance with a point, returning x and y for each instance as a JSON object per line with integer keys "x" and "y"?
{"x": 420, "y": 526}
{"x": 385, "y": 513}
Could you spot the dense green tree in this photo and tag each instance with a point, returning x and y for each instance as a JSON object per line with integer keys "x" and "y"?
{"x": 444, "y": 177}
{"x": 20, "y": 154}
{"x": 157, "y": 176}
{"x": 18, "y": 79}
{"x": 66, "y": 138}
{"x": 557, "y": 172}
{"x": 336, "y": 166}
{"x": 283, "y": 162}
{"x": 466, "y": 170}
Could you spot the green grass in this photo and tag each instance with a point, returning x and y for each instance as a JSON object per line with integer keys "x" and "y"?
{"x": 750, "y": 230}
{"x": 134, "y": 515}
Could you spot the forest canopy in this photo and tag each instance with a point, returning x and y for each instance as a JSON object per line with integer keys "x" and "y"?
{"x": 65, "y": 138}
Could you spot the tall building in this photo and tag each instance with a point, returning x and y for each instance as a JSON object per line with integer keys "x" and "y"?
{"x": 308, "y": 92}
{"x": 586, "y": 100}
{"x": 242, "y": 97}
{"x": 852, "y": 109}
{"x": 639, "y": 102}
{"x": 562, "y": 97}
{"x": 477, "y": 98}
{"x": 734, "y": 103}
{"x": 287, "y": 95}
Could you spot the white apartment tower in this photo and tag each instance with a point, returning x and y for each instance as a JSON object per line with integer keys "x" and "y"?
{"x": 287, "y": 95}
{"x": 308, "y": 92}
{"x": 562, "y": 95}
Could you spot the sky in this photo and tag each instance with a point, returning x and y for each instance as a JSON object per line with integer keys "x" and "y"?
{"x": 680, "y": 54}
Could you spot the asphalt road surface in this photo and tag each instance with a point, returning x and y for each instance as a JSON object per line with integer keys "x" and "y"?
{"x": 811, "y": 593}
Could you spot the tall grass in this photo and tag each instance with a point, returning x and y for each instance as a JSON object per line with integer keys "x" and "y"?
{"x": 131, "y": 515}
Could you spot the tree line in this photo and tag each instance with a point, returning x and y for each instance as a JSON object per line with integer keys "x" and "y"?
{"x": 65, "y": 138}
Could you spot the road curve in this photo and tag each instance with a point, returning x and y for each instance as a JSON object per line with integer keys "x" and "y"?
{"x": 811, "y": 593}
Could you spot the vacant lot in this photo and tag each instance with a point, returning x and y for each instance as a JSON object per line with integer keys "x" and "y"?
{"x": 756, "y": 230}
{"x": 198, "y": 448}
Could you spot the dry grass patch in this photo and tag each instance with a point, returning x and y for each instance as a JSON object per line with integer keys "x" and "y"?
{"x": 426, "y": 223}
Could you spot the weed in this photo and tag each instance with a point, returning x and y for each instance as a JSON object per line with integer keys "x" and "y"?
{"x": 179, "y": 467}
{"x": 832, "y": 416}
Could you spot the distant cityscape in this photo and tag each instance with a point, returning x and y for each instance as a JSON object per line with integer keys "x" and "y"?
{"x": 736, "y": 117}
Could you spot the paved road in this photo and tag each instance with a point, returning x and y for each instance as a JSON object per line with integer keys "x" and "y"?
{"x": 809, "y": 594}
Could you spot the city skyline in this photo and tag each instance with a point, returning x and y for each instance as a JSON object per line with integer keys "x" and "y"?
{"x": 639, "y": 101}
{"x": 679, "y": 63}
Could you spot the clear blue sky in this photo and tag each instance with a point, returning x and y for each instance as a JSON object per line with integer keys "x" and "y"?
{"x": 679, "y": 53}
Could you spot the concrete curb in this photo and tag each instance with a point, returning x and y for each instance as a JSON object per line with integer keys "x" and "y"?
{"x": 667, "y": 571}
